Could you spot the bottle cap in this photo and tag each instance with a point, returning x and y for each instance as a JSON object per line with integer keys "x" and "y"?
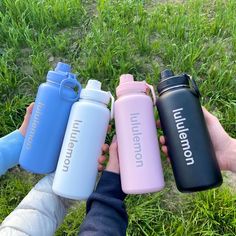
{"x": 94, "y": 84}
{"x": 128, "y": 85}
{"x": 93, "y": 91}
{"x": 63, "y": 67}
{"x": 62, "y": 72}
{"x": 166, "y": 74}
{"x": 63, "y": 77}
{"x": 168, "y": 79}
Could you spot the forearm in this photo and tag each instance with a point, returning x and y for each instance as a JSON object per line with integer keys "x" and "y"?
{"x": 38, "y": 214}
{"x": 106, "y": 214}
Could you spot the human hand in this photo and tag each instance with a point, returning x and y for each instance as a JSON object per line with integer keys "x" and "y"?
{"x": 113, "y": 162}
{"x": 224, "y": 145}
{"x": 25, "y": 123}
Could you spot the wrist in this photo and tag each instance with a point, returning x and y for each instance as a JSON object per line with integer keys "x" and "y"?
{"x": 113, "y": 168}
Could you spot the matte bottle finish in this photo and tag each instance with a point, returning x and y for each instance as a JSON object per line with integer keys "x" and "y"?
{"x": 189, "y": 145}
{"x": 139, "y": 155}
{"x": 76, "y": 172}
{"x": 48, "y": 122}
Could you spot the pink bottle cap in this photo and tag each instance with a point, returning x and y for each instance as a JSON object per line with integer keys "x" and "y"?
{"x": 128, "y": 85}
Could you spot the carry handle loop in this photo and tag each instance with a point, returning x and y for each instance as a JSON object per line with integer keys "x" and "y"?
{"x": 75, "y": 83}
{"x": 153, "y": 93}
{"x": 193, "y": 84}
{"x": 112, "y": 105}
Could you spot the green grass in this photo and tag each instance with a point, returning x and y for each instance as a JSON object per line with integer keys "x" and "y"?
{"x": 103, "y": 39}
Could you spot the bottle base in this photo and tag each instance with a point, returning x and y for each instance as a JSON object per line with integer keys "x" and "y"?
{"x": 72, "y": 197}
{"x": 143, "y": 191}
{"x": 40, "y": 172}
{"x": 200, "y": 188}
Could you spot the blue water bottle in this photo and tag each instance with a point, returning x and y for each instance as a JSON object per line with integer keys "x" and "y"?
{"x": 48, "y": 122}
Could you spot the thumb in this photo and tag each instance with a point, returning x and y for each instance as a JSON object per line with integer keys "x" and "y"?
{"x": 113, "y": 148}
{"x": 208, "y": 116}
{"x": 113, "y": 163}
{"x": 30, "y": 108}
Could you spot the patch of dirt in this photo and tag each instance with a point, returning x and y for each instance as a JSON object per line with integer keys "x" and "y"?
{"x": 173, "y": 199}
{"x": 230, "y": 179}
{"x": 91, "y": 8}
{"x": 154, "y": 2}
{"x": 26, "y": 52}
{"x": 27, "y": 69}
{"x": 151, "y": 4}
{"x": 157, "y": 59}
{"x": 54, "y": 60}
{"x": 23, "y": 61}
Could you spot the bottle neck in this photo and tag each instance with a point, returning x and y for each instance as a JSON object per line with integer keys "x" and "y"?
{"x": 131, "y": 93}
{"x": 53, "y": 83}
{"x": 173, "y": 88}
{"x": 86, "y": 100}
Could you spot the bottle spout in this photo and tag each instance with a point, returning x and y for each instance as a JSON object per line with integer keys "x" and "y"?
{"x": 126, "y": 78}
{"x": 165, "y": 74}
{"x": 94, "y": 84}
{"x": 63, "y": 67}
{"x": 129, "y": 85}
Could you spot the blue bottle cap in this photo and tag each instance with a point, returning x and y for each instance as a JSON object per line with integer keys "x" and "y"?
{"x": 61, "y": 72}
{"x": 63, "y": 67}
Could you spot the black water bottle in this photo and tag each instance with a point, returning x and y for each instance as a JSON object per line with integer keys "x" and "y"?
{"x": 190, "y": 148}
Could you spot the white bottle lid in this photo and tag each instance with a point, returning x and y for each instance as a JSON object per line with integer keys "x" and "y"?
{"x": 94, "y": 84}
{"x": 93, "y": 91}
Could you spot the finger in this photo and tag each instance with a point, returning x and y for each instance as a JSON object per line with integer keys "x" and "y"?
{"x": 162, "y": 140}
{"x": 105, "y": 148}
{"x": 100, "y": 167}
{"x": 29, "y": 109}
{"x": 164, "y": 150}
{"x": 109, "y": 129}
{"x": 101, "y": 160}
{"x": 158, "y": 123}
{"x": 209, "y": 118}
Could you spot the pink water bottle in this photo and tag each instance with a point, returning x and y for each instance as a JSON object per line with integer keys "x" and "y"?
{"x": 139, "y": 155}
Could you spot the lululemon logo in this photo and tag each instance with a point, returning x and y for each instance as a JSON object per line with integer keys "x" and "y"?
{"x": 136, "y": 138}
{"x": 183, "y": 135}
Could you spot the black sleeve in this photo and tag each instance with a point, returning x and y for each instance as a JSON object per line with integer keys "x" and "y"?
{"x": 106, "y": 213}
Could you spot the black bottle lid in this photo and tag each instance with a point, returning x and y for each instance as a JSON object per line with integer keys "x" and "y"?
{"x": 165, "y": 74}
{"x": 168, "y": 79}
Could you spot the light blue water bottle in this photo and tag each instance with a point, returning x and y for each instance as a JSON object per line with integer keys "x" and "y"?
{"x": 76, "y": 172}
{"x": 48, "y": 122}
